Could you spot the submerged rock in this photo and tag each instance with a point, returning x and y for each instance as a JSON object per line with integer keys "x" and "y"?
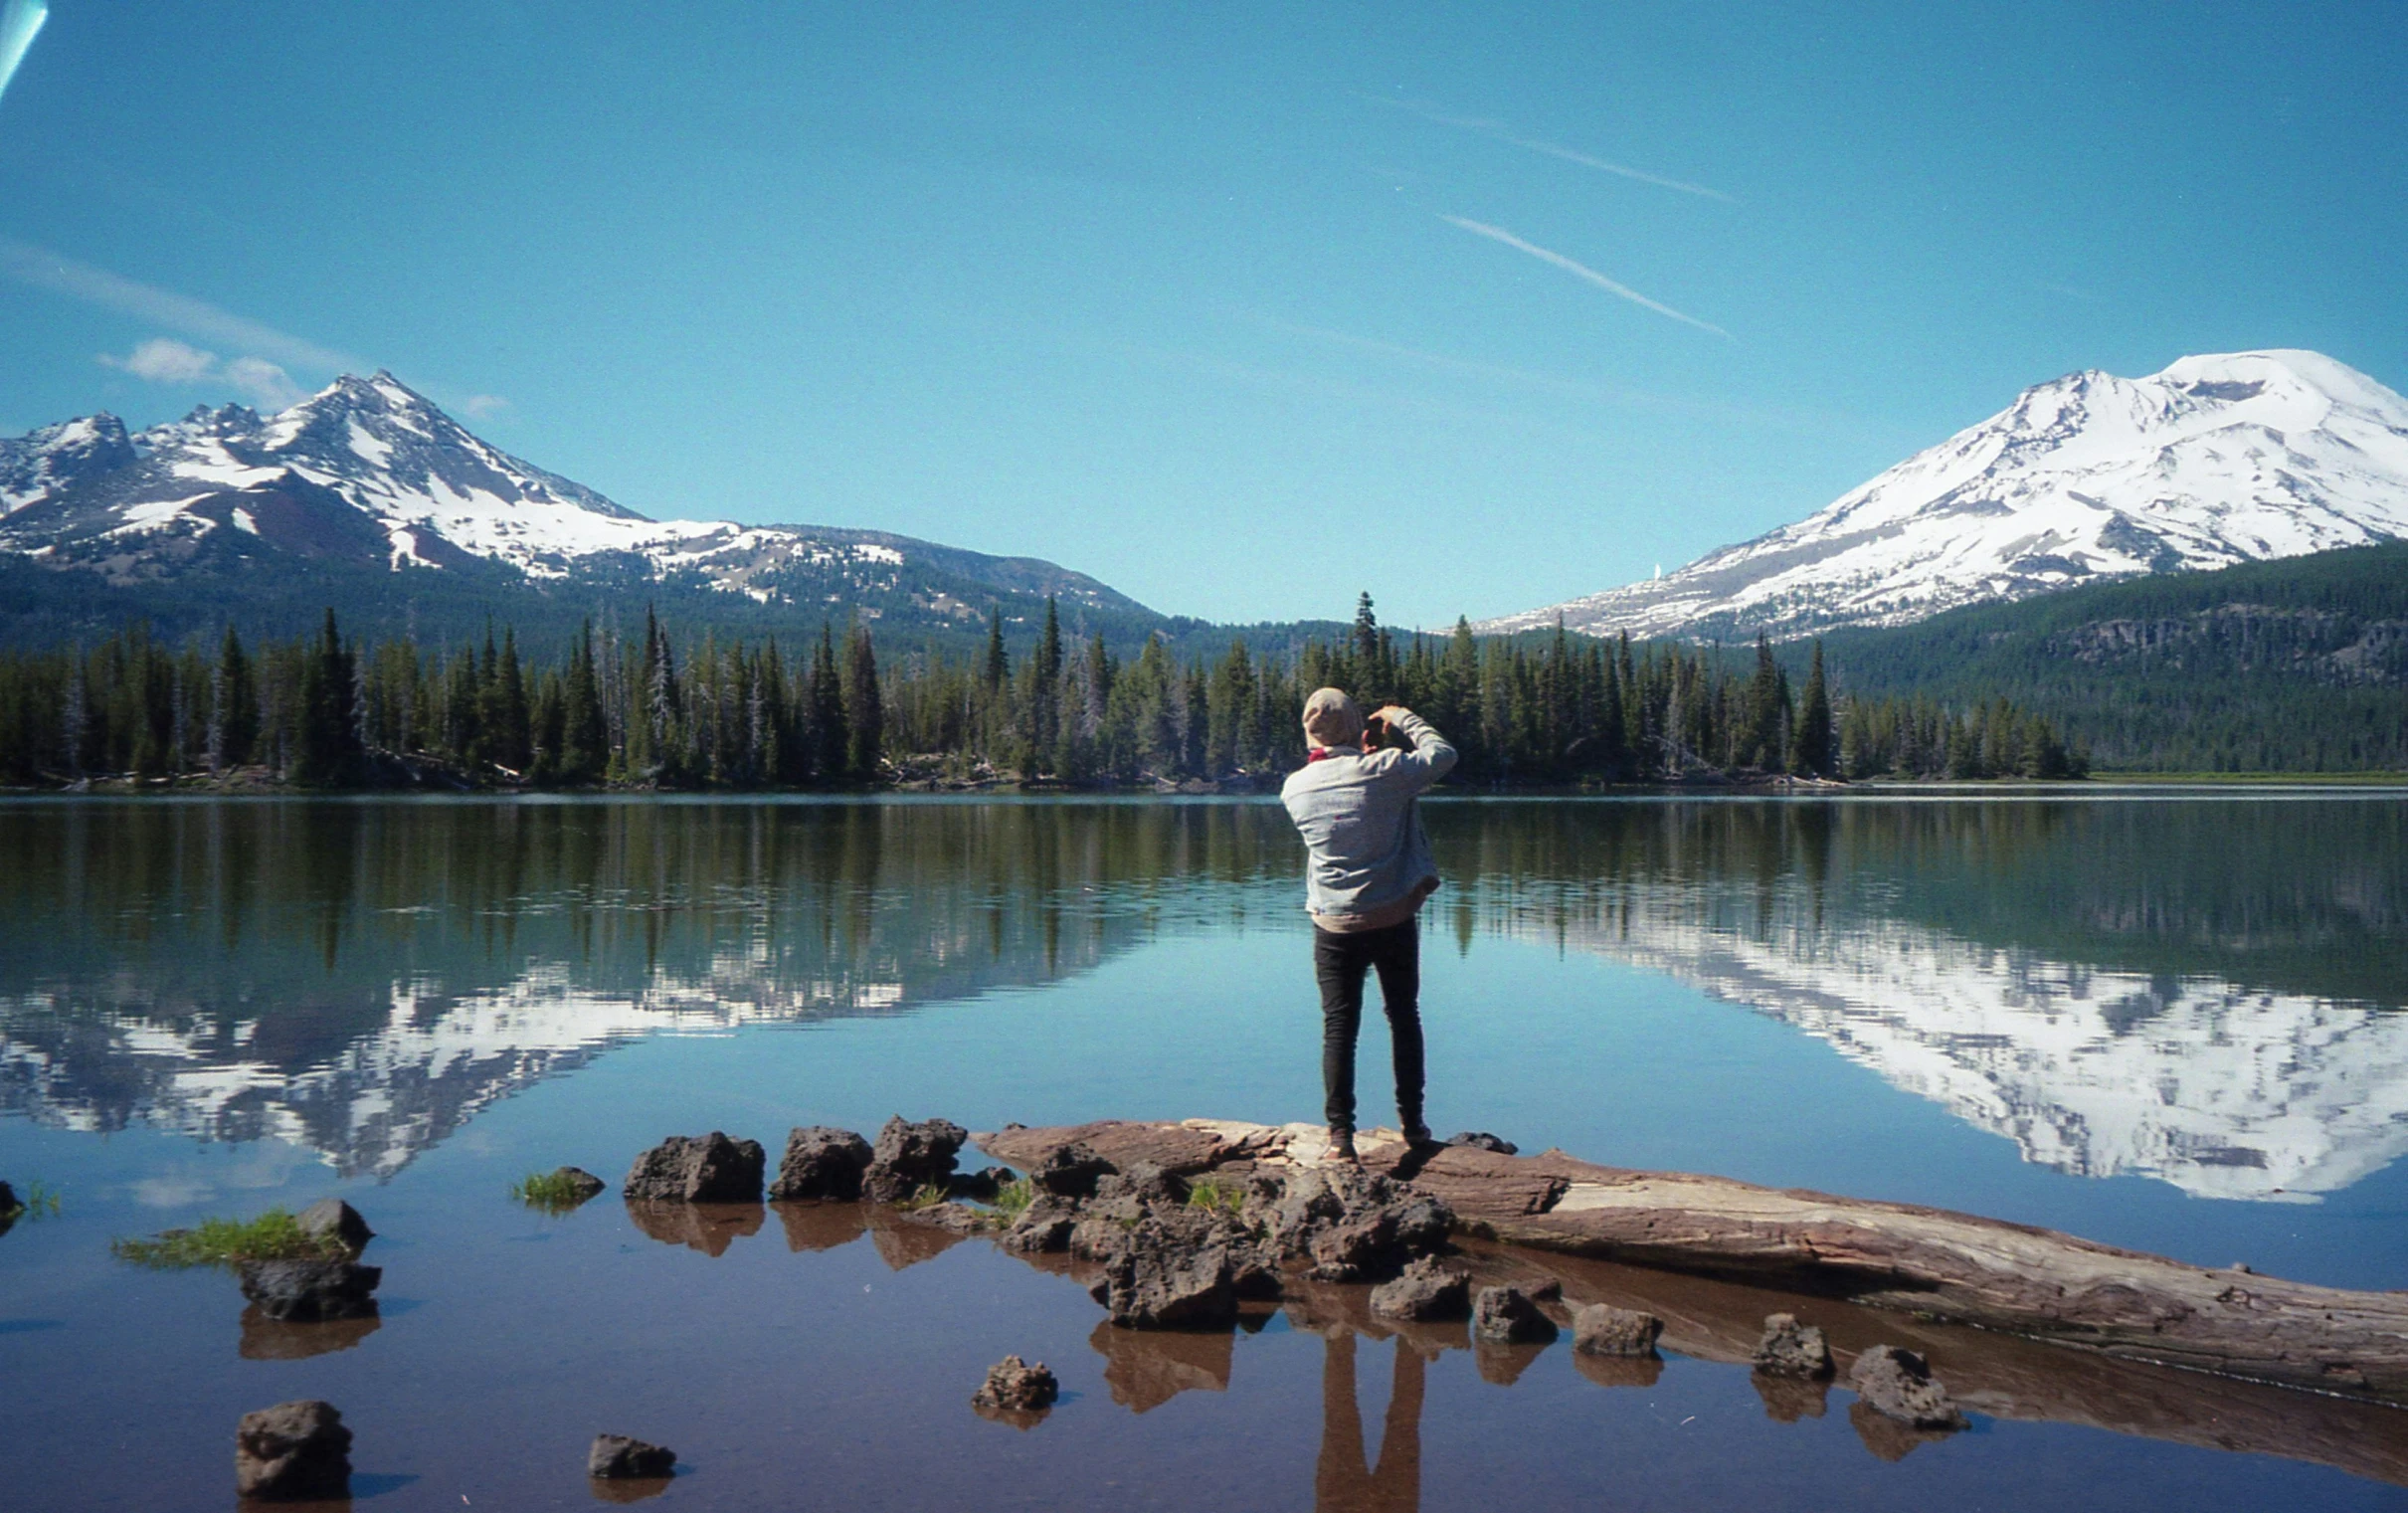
{"x": 616, "y": 1457}
{"x": 822, "y": 1163}
{"x": 8, "y": 1200}
{"x": 1507, "y": 1316}
{"x": 1482, "y": 1140}
{"x": 697, "y": 1169}
{"x": 331, "y": 1219}
{"x": 1426, "y": 1291}
{"x": 295, "y": 1451}
{"x": 1603, "y": 1330}
{"x": 304, "y": 1291}
{"x": 1015, "y": 1386}
{"x": 909, "y": 1156}
{"x": 1071, "y": 1171}
{"x": 1792, "y": 1349}
{"x": 1898, "y": 1384}
{"x": 581, "y": 1185}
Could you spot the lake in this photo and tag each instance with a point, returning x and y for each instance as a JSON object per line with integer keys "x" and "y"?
{"x": 2165, "y": 1019}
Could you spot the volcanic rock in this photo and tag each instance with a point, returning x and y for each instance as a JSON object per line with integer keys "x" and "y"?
{"x": 331, "y": 1219}
{"x": 821, "y": 1162}
{"x": 1161, "y": 1279}
{"x": 293, "y": 1453}
{"x": 1354, "y": 1226}
{"x": 1603, "y": 1330}
{"x": 909, "y": 1156}
{"x": 1898, "y": 1384}
{"x": 1015, "y": 1385}
{"x": 1426, "y": 1291}
{"x": 616, "y": 1457}
{"x": 1042, "y": 1227}
{"x": 697, "y": 1169}
{"x": 1481, "y": 1140}
{"x": 304, "y": 1291}
{"x": 1071, "y": 1171}
{"x": 1507, "y": 1316}
{"x": 1792, "y": 1349}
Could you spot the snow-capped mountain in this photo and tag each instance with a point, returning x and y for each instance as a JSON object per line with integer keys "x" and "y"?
{"x": 2215, "y": 461}
{"x": 369, "y": 473}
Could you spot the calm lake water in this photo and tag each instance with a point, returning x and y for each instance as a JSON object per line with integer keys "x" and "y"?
{"x": 2167, "y": 1020}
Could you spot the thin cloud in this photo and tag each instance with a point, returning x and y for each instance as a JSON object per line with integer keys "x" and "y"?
{"x": 261, "y": 372}
{"x": 1584, "y": 272}
{"x": 1504, "y": 133}
{"x": 43, "y": 268}
{"x": 20, "y": 22}
{"x": 165, "y": 360}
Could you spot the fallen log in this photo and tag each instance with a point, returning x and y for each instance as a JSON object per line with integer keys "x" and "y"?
{"x": 1936, "y": 1264}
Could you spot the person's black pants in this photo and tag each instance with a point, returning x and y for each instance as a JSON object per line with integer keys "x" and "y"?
{"x": 1340, "y": 962}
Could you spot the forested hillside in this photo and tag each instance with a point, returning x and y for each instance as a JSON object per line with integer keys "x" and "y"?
{"x": 2294, "y": 666}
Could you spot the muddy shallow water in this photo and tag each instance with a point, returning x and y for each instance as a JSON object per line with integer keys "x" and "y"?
{"x": 2172, "y": 1023}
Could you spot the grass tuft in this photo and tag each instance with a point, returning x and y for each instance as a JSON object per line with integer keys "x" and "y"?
{"x": 1011, "y": 1199}
{"x": 553, "y": 1193}
{"x": 39, "y": 1201}
{"x": 274, "y": 1235}
{"x": 1217, "y": 1197}
{"x": 926, "y": 1197}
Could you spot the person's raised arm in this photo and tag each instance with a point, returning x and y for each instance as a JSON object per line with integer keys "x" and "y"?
{"x": 1430, "y": 758}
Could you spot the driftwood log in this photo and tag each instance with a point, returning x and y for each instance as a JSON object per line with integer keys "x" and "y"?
{"x": 1939, "y": 1265}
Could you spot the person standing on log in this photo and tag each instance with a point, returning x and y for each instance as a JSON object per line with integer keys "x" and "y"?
{"x": 1366, "y": 874}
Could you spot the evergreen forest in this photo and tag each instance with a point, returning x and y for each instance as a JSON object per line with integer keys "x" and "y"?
{"x": 649, "y": 710}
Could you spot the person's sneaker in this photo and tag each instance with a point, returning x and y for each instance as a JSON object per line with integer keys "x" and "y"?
{"x": 1417, "y": 1136}
{"x": 1342, "y": 1147}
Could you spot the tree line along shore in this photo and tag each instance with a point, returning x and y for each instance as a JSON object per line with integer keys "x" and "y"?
{"x": 327, "y": 711}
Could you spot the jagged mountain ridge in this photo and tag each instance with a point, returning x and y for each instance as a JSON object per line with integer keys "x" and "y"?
{"x": 2215, "y": 461}
{"x": 369, "y": 476}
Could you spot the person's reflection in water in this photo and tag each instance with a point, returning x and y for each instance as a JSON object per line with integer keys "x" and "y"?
{"x": 1342, "y": 1481}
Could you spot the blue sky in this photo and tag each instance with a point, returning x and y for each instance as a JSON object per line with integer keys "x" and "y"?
{"x": 1241, "y": 310}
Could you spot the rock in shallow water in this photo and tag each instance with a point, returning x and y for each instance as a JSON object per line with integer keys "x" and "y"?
{"x": 1354, "y": 1226}
{"x": 823, "y": 1163}
{"x": 304, "y": 1291}
{"x": 617, "y": 1457}
{"x": 1603, "y": 1330}
{"x": 1507, "y": 1316}
{"x": 909, "y": 1156}
{"x": 332, "y": 1220}
{"x": 293, "y": 1453}
{"x": 1017, "y": 1386}
{"x": 1792, "y": 1349}
{"x": 1898, "y": 1384}
{"x": 697, "y": 1169}
{"x": 1427, "y": 1292}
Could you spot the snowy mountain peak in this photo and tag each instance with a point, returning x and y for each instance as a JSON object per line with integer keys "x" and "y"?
{"x": 370, "y": 472}
{"x": 2216, "y": 459}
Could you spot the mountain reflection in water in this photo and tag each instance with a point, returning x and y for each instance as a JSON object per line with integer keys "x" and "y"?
{"x": 2199, "y": 990}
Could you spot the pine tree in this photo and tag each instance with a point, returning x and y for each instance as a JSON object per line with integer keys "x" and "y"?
{"x": 1814, "y": 754}
{"x": 864, "y": 707}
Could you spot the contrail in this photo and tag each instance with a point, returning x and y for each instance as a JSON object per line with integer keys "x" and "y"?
{"x": 1505, "y": 133}
{"x": 1582, "y": 270}
{"x": 43, "y": 269}
{"x": 18, "y": 25}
